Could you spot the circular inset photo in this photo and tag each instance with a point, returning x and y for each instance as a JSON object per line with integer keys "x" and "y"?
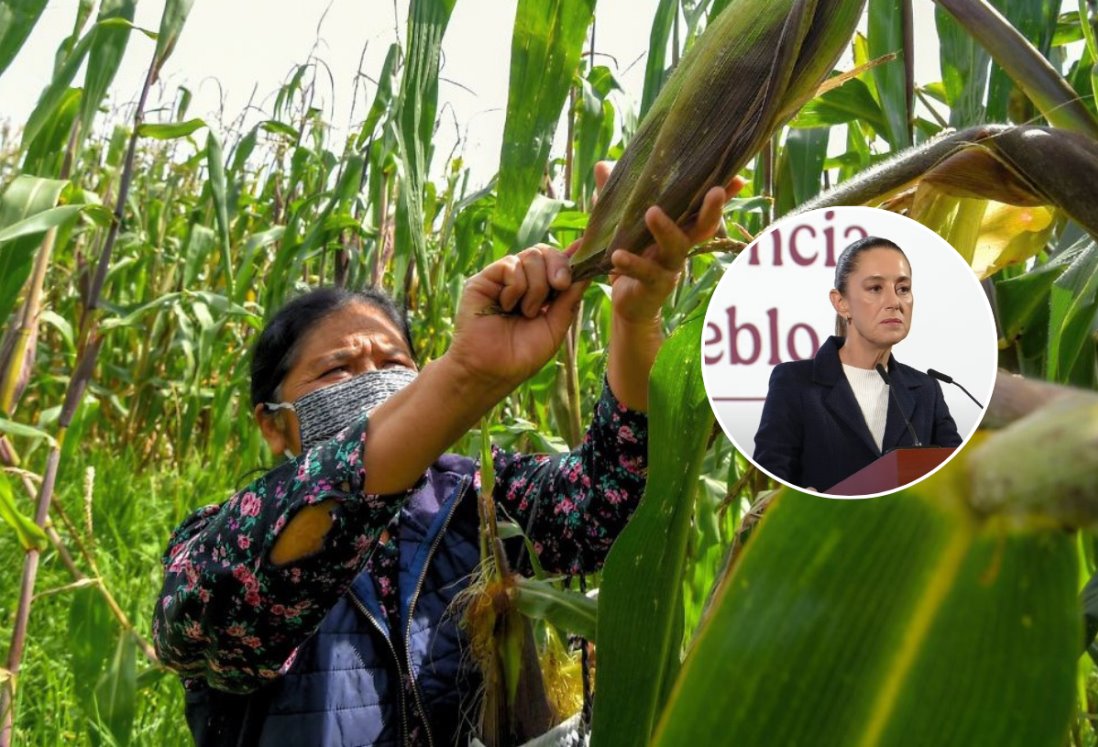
{"x": 849, "y": 352}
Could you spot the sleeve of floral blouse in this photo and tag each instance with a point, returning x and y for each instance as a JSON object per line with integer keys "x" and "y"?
{"x": 227, "y": 614}
{"x": 573, "y": 506}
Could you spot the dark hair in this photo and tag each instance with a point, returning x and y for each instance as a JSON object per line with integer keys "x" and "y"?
{"x": 276, "y": 349}
{"x": 848, "y": 263}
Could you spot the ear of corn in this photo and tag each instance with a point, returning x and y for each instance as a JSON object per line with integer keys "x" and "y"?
{"x": 513, "y": 704}
{"x": 757, "y": 63}
{"x": 949, "y": 184}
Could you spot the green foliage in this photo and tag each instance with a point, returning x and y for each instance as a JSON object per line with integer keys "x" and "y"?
{"x": 1032, "y": 73}
{"x": 415, "y": 122}
{"x": 889, "y": 22}
{"x": 27, "y": 210}
{"x": 29, "y": 534}
{"x": 545, "y": 50}
{"x": 655, "y": 69}
{"x": 107, "y": 50}
{"x": 638, "y": 662}
{"x": 905, "y": 620}
{"x": 17, "y": 19}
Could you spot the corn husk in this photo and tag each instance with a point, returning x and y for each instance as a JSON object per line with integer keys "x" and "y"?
{"x": 748, "y": 73}
{"x": 992, "y": 191}
{"x": 512, "y": 705}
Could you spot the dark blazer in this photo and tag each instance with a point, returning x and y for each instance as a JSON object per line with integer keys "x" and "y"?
{"x": 813, "y": 433}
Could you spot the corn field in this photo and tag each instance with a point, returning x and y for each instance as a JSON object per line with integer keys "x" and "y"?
{"x": 143, "y": 247}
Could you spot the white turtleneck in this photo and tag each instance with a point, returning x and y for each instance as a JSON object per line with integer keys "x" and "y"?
{"x": 872, "y": 395}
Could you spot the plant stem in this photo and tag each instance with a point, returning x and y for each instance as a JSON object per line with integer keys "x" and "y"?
{"x": 571, "y": 373}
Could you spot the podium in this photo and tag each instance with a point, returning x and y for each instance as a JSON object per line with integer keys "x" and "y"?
{"x": 897, "y": 467}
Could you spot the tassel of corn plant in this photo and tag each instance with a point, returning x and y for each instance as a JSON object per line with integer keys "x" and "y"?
{"x": 755, "y": 65}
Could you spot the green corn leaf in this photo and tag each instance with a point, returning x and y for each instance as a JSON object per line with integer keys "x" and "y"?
{"x": 215, "y": 162}
{"x": 569, "y": 611}
{"x": 538, "y": 218}
{"x": 12, "y": 428}
{"x": 1089, "y": 598}
{"x": 251, "y": 258}
{"x": 29, "y": 534}
{"x": 1050, "y": 93}
{"x": 1073, "y": 306}
{"x": 655, "y": 69}
{"x": 1085, "y": 30}
{"x": 36, "y": 225}
{"x": 280, "y": 128}
{"x": 200, "y": 244}
{"x": 382, "y": 100}
{"x": 59, "y": 323}
{"x": 130, "y": 319}
{"x": 17, "y": 19}
{"x": 90, "y": 625}
{"x": 116, "y": 692}
{"x": 418, "y": 102}
{"x": 46, "y": 153}
{"x": 594, "y": 128}
{"x": 897, "y": 621}
{"x": 642, "y": 579}
{"x": 1020, "y": 300}
{"x": 243, "y": 150}
{"x": 171, "y": 26}
{"x": 107, "y": 50}
{"x": 55, "y": 91}
{"x": 852, "y": 101}
{"x": 800, "y": 167}
{"x": 28, "y": 203}
{"x": 1036, "y": 20}
{"x": 888, "y": 26}
{"x": 964, "y": 65}
{"x": 545, "y": 50}
{"x": 170, "y": 130}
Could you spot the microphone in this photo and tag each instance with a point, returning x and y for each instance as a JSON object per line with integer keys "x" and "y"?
{"x": 888, "y": 382}
{"x": 949, "y": 380}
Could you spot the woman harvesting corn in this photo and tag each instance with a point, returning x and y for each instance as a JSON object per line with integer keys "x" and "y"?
{"x": 311, "y": 607}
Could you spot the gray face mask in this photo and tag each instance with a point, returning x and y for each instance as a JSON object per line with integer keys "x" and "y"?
{"x": 324, "y": 412}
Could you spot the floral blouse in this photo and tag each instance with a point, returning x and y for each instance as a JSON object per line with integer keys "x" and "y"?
{"x": 230, "y": 617}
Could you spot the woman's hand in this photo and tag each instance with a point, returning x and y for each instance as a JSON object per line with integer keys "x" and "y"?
{"x": 491, "y": 353}
{"x": 642, "y": 282}
{"x": 504, "y": 349}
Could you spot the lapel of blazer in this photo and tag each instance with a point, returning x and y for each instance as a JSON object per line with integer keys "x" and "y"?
{"x": 827, "y": 371}
{"x": 896, "y": 434}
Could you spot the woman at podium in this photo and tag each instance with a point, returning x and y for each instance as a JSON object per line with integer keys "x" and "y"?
{"x": 826, "y": 418}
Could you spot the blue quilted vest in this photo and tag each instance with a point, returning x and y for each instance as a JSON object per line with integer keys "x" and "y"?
{"x": 344, "y": 686}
